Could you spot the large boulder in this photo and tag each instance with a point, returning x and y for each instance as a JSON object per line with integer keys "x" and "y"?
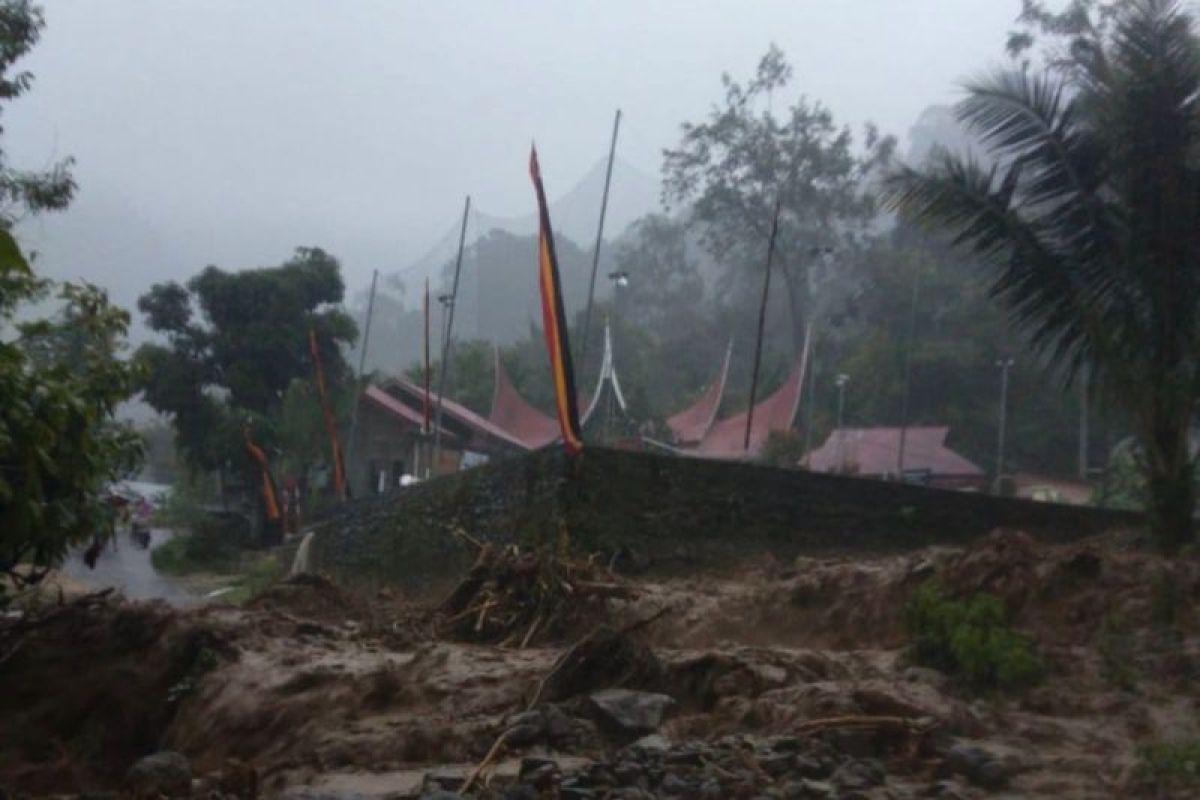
{"x": 630, "y": 712}
{"x": 165, "y": 773}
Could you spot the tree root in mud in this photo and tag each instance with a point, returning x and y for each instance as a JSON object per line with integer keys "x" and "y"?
{"x": 515, "y": 597}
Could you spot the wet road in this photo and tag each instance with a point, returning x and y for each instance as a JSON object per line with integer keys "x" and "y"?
{"x": 129, "y": 570}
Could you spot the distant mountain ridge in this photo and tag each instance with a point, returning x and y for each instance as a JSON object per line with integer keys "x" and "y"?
{"x": 633, "y": 194}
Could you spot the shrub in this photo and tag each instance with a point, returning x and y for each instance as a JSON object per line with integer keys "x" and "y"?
{"x": 212, "y": 545}
{"x": 969, "y": 639}
{"x": 1171, "y": 765}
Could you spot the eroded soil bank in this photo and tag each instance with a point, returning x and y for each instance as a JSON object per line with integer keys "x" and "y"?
{"x": 783, "y": 680}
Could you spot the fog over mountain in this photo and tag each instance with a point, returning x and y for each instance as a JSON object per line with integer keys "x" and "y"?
{"x": 228, "y": 133}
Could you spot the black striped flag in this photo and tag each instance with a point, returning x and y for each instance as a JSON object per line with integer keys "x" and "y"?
{"x": 554, "y": 320}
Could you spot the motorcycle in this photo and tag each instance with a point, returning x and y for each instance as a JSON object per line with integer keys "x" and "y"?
{"x": 139, "y": 531}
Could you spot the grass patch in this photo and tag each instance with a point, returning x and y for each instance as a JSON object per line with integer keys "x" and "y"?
{"x": 970, "y": 639}
{"x": 200, "y": 551}
{"x": 256, "y": 576}
{"x": 1118, "y": 652}
{"x": 1171, "y": 765}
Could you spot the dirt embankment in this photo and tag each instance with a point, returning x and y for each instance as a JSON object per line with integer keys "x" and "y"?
{"x": 784, "y": 680}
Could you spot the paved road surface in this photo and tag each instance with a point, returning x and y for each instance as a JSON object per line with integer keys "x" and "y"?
{"x": 129, "y": 569}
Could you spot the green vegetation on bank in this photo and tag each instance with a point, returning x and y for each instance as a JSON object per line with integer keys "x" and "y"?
{"x": 969, "y": 639}
{"x": 1171, "y": 765}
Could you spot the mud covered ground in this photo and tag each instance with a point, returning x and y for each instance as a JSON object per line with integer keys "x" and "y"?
{"x": 774, "y": 680}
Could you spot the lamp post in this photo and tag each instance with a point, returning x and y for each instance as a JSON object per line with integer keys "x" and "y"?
{"x": 445, "y": 300}
{"x": 1005, "y": 364}
{"x": 841, "y": 381}
{"x": 908, "y": 361}
{"x": 447, "y": 303}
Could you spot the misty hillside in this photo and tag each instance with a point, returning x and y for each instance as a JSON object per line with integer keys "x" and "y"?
{"x": 634, "y": 193}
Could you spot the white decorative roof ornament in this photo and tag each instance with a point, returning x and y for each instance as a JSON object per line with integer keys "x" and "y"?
{"x": 608, "y": 374}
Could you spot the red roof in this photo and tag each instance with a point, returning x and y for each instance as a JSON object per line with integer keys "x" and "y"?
{"x": 726, "y": 438}
{"x": 514, "y": 414}
{"x": 459, "y": 412}
{"x": 388, "y": 403}
{"x": 874, "y": 451}
{"x": 691, "y": 424}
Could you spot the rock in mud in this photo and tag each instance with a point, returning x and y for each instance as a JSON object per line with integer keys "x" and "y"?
{"x": 441, "y": 794}
{"x": 631, "y": 712}
{"x": 315, "y": 793}
{"x": 978, "y": 765}
{"x": 807, "y": 790}
{"x": 863, "y": 774}
{"x": 166, "y": 773}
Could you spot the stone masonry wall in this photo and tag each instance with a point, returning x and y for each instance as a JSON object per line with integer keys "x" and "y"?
{"x": 673, "y": 512}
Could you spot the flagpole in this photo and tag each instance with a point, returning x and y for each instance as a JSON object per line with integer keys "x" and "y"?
{"x": 428, "y": 453}
{"x": 437, "y": 425}
{"x": 587, "y": 319}
{"x": 362, "y": 363}
{"x": 762, "y": 320}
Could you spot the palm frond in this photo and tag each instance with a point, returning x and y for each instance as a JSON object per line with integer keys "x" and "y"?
{"x": 1046, "y": 288}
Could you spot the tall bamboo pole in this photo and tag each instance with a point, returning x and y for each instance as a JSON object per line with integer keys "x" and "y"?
{"x": 437, "y": 425}
{"x": 762, "y": 321}
{"x": 362, "y": 363}
{"x": 587, "y": 317}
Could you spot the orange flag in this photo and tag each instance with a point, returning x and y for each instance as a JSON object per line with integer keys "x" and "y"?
{"x": 339, "y": 464}
{"x": 554, "y": 320}
{"x": 269, "y": 494}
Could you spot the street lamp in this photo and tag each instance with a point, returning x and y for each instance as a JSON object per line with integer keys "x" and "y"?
{"x": 620, "y": 278}
{"x": 840, "y": 381}
{"x": 1005, "y": 364}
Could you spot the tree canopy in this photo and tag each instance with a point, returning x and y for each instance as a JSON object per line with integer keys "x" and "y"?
{"x": 235, "y": 342}
{"x": 1086, "y": 218}
{"x": 61, "y": 378}
{"x": 734, "y": 167}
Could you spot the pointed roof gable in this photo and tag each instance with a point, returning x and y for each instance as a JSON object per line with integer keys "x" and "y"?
{"x": 513, "y": 413}
{"x": 692, "y": 423}
{"x": 726, "y": 438}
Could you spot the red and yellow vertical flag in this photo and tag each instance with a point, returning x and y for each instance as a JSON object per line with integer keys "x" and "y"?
{"x": 270, "y": 494}
{"x": 554, "y": 319}
{"x": 339, "y": 464}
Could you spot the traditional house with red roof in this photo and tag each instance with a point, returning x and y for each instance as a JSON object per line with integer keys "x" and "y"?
{"x": 875, "y": 453}
{"x": 392, "y": 439}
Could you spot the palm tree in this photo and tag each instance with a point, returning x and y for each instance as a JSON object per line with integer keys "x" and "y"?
{"x": 1086, "y": 219}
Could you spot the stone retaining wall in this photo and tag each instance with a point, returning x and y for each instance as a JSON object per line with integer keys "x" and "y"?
{"x": 675, "y": 512}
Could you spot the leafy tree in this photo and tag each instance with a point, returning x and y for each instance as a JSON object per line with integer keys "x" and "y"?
{"x": 744, "y": 158}
{"x": 954, "y": 335}
{"x": 471, "y": 380}
{"x": 24, "y": 192}
{"x": 61, "y": 378}
{"x": 235, "y": 342}
{"x": 59, "y": 444}
{"x": 1087, "y": 221}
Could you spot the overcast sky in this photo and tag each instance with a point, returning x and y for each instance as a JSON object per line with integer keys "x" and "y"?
{"x": 228, "y": 132}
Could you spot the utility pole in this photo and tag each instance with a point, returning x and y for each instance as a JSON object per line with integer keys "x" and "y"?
{"x": 437, "y": 424}
{"x": 811, "y": 377}
{"x": 1005, "y": 364}
{"x": 762, "y": 321}
{"x": 587, "y": 318}
{"x": 362, "y": 363}
{"x": 841, "y": 381}
{"x": 1083, "y": 425}
{"x": 908, "y": 359}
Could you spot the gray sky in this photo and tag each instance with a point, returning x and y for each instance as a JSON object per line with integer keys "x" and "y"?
{"x": 228, "y": 132}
